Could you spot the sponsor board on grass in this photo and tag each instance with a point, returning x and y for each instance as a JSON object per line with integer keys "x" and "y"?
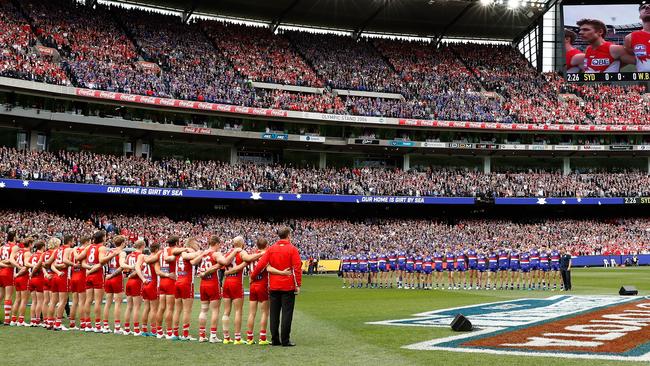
{"x": 591, "y": 327}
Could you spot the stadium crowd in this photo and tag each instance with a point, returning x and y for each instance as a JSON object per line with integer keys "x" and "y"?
{"x": 147, "y": 53}
{"x": 328, "y": 238}
{"x": 86, "y": 167}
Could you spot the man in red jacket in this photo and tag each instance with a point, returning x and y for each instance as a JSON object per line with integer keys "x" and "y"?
{"x": 282, "y": 288}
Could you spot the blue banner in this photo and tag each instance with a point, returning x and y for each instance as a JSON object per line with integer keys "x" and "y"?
{"x": 402, "y": 143}
{"x": 275, "y": 136}
{"x": 197, "y": 193}
{"x": 560, "y": 201}
{"x": 611, "y": 260}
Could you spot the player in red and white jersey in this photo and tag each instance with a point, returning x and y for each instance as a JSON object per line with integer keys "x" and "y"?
{"x": 21, "y": 282}
{"x": 209, "y": 263}
{"x": 233, "y": 289}
{"x": 150, "y": 271}
{"x": 114, "y": 285}
{"x": 167, "y": 286}
{"x": 259, "y": 295}
{"x": 93, "y": 260}
{"x": 7, "y": 251}
{"x": 36, "y": 280}
{"x": 78, "y": 284}
{"x": 59, "y": 284}
{"x": 575, "y": 58}
{"x": 133, "y": 268}
{"x": 601, "y": 56}
{"x": 184, "y": 295}
{"x": 637, "y": 43}
{"x": 51, "y": 284}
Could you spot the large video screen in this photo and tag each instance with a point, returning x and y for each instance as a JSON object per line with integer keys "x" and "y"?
{"x": 607, "y": 43}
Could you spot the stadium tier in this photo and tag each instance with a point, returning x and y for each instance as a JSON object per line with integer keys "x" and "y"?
{"x": 89, "y": 168}
{"x": 329, "y": 238}
{"x": 146, "y": 53}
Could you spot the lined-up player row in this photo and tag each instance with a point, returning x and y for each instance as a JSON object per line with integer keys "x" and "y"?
{"x": 526, "y": 268}
{"x": 158, "y": 286}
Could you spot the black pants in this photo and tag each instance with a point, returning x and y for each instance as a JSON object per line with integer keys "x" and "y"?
{"x": 281, "y": 301}
{"x": 566, "y": 279}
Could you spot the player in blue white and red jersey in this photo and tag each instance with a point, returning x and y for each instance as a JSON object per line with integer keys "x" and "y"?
{"x": 450, "y": 260}
{"x": 544, "y": 266}
{"x": 555, "y": 269}
{"x": 419, "y": 280}
{"x": 514, "y": 269}
{"x": 374, "y": 269}
{"x": 534, "y": 268}
{"x": 363, "y": 270}
{"x": 438, "y": 259}
{"x": 409, "y": 270}
{"x": 493, "y": 266}
{"x": 392, "y": 268}
{"x": 481, "y": 267}
{"x": 401, "y": 267}
{"x": 345, "y": 269}
{"x": 382, "y": 266}
{"x": 472, "y": 265}
{"x": 504, "y": 266}
{"x": 525, "y": 270}
{"x": 461, "y": 268}
{"x": 427, "y": 270}
{"x": 354, "y": 270}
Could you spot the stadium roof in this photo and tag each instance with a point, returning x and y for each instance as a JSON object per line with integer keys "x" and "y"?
{"x": 426, "y": 18}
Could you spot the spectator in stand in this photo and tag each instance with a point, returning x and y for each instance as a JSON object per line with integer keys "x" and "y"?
{"x": 84, "y": 167}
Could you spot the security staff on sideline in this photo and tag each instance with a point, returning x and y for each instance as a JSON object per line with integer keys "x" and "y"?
{"x": 565, "y": 270}
{"x": 282, "y": 288}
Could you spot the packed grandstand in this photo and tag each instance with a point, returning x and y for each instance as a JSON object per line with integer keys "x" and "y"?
{"x": 146, "y": 53}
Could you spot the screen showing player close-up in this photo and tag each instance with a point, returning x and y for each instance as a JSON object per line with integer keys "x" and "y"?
{"x": 611, "y": 42}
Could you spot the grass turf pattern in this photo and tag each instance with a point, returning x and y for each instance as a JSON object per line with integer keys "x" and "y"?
{"x": 329, "y": 329}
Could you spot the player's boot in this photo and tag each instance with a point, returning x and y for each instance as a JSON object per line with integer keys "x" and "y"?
{"x": 249, "y": 341}
{"x": 214, "y": 339}
{"x": 238, "y": 342}
{"x": 227, "y": 341}
{"x": 203, "y": 339}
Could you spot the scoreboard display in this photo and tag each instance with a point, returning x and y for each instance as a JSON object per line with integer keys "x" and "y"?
{"x": 605, "y": 43}
{"x": 607, "y": 77}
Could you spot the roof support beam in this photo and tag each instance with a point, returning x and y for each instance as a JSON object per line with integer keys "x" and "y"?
{"x": 361, "y": 28}
{"x": 448, "y": 26}
{"x": 278, "y": 19}
{"x": 549, "y": 4}
{"x": 187, "y": 13}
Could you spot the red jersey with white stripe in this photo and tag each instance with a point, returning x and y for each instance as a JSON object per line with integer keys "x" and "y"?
{"x": 33, "y": 261}
{"x": 20, "y": 259}
{"x": 641, "y": 48}
{"x": 569, "y": 56}
{"x": 60, "y": 265}
{"x": 149, "y": 272}
{"x": 132, "y": 260}
{"x": 599, "y": 59}
{"x": 46, "y": 257}
{"x": 237, "y": 276}
{"x": 78, "y": 270}
{"x": 164, "y": 265}
{"x": 5, "y": 253}
{"x": 263, "y": 278}
{"x": 113, "y": 265}
{"x": 184, "y": 270}
{"x": 206, "y": 262}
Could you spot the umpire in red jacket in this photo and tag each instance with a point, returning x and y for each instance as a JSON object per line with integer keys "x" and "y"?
{"x": 282, "y": 288}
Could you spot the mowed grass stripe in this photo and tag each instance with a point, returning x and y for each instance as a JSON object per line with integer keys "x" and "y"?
{"x": 329, "y": 328}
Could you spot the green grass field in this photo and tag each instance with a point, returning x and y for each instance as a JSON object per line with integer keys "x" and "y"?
{"x": 329, "y": 328}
